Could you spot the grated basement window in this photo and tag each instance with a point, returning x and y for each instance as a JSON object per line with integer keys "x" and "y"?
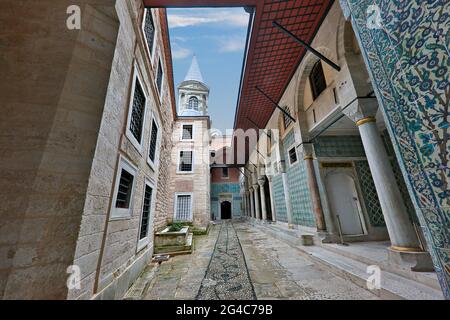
{"x": 125, "y": 189}
{"x": 137, "y": 114}
{"x": 186, "y": 161}
{"x": 149, "y": 30}
{"x": 183, "y": 212}
{"x": 153, "y": 142}
{"x": 146, "y": 212}
{"x": 188, "y": 132}
{"x": 159, "y": 77}
{"x": 317, "y": 80}
{"x": 292, "y": 155}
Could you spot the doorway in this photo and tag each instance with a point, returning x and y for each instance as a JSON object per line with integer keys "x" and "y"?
{"x": 225, "y": 210}
{"x": 344, "y": 200}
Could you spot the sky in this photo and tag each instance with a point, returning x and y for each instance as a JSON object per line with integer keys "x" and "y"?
{"x": 217, "y": 37}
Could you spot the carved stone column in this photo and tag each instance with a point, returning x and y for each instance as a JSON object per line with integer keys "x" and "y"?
{"x": 257, "y": 208}
{"x": 272, "y": 203}
{"x": 401, "y": 232}
{"x": 313, "y": 187}
{"x": 261, "y": 183}
{"x": 282, "y": 168}
{"x": 252, "y": 204}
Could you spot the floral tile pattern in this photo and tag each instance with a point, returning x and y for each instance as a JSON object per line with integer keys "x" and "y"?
{"x": 408, "y": 60}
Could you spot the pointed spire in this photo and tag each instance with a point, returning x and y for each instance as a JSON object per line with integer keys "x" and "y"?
{"x": 194, "y": 72}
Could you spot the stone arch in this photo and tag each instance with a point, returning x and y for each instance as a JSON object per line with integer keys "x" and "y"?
{"x": 303, "y": 76}
{"x": 350, "y": 54}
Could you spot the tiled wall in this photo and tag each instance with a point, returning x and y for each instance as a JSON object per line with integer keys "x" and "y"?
{"x": 339, "y": 146}
{"x": 299, "y": 194}
{"x": 228, "y": 188}
{"x": 278, "y": 198}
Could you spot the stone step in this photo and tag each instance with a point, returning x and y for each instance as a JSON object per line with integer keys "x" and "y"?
{"x": 393, "y": 286}
{"x": 427, "y": 278}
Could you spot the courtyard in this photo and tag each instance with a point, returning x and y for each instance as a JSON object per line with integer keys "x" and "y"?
{"x": 238, "y": 262}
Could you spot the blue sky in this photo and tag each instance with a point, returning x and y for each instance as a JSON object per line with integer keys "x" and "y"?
{"x": 217, "y": 36}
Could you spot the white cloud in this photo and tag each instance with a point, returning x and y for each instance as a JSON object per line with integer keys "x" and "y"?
{"x": 189, "y": 18}
{"x": 179, "y": 52}
{"x": 231, "y": 44}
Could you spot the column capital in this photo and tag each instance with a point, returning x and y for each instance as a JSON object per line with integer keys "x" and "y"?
{"x": 308, "y": 150}
{"x": 362, "y": 110}
{"x": 250, "y": 190}
{"x": 270, "y": 178}
{"x": 255, "y": 187}
{"x": 261, "y": 182}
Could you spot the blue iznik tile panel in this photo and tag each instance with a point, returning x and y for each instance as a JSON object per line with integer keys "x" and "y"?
{"x": 278, "y": 198}
{"x": 339, "y": 146}
{"x": 228, "y": 188}
{"x": 302, "y": 213}
{"x": 405, "y": 47}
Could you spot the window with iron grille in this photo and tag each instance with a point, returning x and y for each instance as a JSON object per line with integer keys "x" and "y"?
{"x": 159, "y": 77}
{"x": 125, "y": 190}
{"x": 153, "y": 141}
{"x": 188, "y": 130}
{"x": 286, "y": 119}
{"x": 225, "y": 172}
{"x": 145, "y": 219}
{"x": 186, "y": 161}
{"x": 138, "y": 112}
{"x": 183, "y": 208}
{"x": 193, "y": 103}
{"x": 317, "y": 80}
{"x": 292, "y": 155}
{"x": 149, "y": 30}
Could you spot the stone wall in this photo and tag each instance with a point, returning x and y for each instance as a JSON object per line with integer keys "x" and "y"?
{"x": 107, "y": 250}
{"x": 53, "y": 88}
{"x": 65, "y": 100}
{"x": 198, "y": 182}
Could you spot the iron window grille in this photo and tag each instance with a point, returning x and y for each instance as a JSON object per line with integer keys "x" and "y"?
{"x": 159, "y": 77}
{"x": 188, "y": 130}
{"x": 186, "y": 161}
{"x": 286, "y": 119}
{"x": 153, "y": 141}
{"x": 292, "y": 155}
{"x": 183, "y": 209}
{"x": 123, "y": 199}
{"x": 317, "y": 80}
{"x": 149, "y": 30}
{"x": 146, "y": 212}
{"x": 138, "y": 112}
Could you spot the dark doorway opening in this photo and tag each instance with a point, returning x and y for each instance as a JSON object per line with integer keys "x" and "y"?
{"x": 225, "y": 210}
{"x": 268, "y": 202}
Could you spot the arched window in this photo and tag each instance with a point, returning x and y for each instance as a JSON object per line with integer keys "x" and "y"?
{"x": 193, "y": 103}
{"x": 317, "y": 80}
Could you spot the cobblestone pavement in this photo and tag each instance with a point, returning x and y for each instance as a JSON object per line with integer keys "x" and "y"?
{"x": 227, "y": 275}
{"x": 222, "y": 261}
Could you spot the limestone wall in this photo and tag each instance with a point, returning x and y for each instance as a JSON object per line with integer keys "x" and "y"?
{"x": 198, "y": 182}
{"x": 107, "y": 250}
{"x": 53, "y": 88}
